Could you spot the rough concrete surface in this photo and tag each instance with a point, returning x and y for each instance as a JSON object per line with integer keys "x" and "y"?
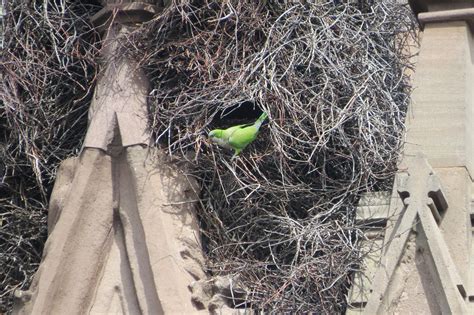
{"x": 439, "y": 122}
{"x": 119, "y": 100}
{"x": 425, "y": 266}
{"x": 125, "y": 240}
{"x": 416, "y": 187}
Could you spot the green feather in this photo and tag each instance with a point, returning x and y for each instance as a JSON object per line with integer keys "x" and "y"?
{"x": 239, "y": 136}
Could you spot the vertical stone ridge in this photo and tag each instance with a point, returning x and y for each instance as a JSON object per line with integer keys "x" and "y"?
{"x": 134, "y": 236}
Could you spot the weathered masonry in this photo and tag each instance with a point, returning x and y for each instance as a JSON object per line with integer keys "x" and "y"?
{"x": 421, "y": 235}
{"x": 108, "y": 251}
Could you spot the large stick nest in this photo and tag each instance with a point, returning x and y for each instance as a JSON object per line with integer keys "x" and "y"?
{"x": 47, "y": 67}
{"x": 280, "y": 218}
{"x": 332, "y": 76}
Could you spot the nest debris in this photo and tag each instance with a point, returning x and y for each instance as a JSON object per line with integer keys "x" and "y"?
{"x": 47, "y": 71}
{"x": 333, "y": 78}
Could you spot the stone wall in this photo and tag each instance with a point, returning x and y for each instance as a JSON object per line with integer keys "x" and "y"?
{"x": 425, "y": 263}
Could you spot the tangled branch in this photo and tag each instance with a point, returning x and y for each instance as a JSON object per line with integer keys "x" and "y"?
{"x": 47, "y": 70}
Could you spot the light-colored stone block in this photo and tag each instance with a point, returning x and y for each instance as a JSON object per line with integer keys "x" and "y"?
{"x": 373, "y": 209}
{"x": 362, "y": 282}
{"x": 372, "y": 212}
{"x": 439, "y": 122}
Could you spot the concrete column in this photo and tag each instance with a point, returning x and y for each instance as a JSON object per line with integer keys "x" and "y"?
{"x": 440, "y": 122}
{"x": 427, "y": 259}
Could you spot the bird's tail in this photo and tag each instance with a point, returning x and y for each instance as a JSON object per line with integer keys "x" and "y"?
{"x": 261, "y": 119}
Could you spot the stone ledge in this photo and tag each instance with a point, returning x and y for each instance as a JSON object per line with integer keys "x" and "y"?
{"x": 434, "y": 5}
{"x": 373, "y": 209}
{"x": 446, "y": 16}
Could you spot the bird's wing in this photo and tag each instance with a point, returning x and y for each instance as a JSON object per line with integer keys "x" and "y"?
{"x": 230, "y": 131}
{"x": 241, "y": 137}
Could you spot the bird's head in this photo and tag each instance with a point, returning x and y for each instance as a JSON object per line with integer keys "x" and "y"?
{"x": 215, "y": 135}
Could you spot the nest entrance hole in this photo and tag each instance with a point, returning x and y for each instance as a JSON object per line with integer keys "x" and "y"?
{"x": 244, "y": 112}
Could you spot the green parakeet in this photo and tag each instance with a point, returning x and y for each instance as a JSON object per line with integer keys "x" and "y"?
{"x": 237, "y": 137}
